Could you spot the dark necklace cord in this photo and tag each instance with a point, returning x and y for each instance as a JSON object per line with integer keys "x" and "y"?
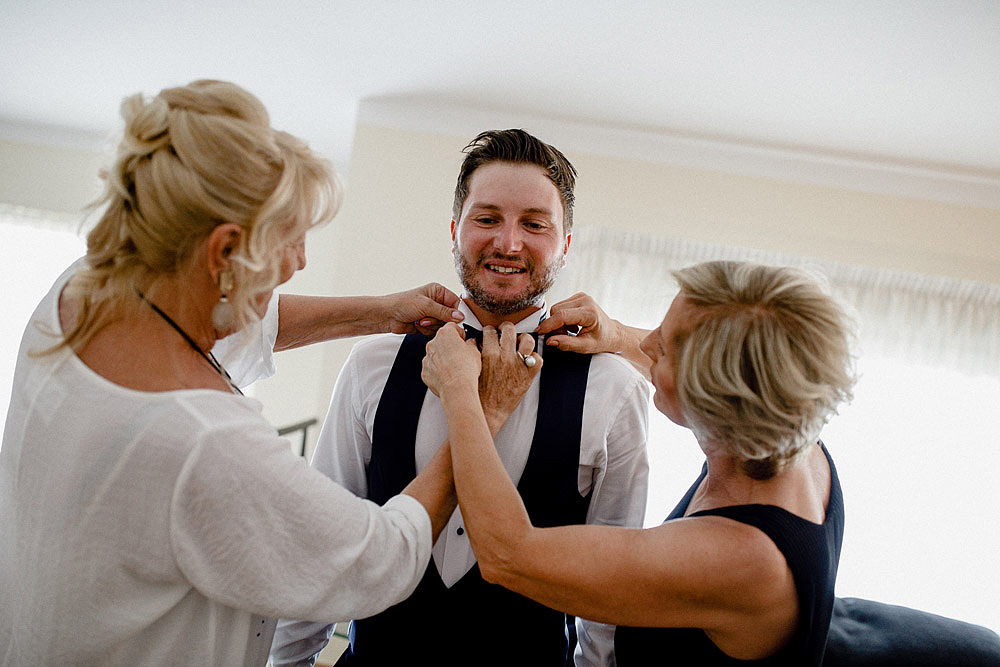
{"x": 209, "y": 357}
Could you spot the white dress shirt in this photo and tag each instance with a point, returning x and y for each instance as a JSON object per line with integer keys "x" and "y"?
{"x": 613, "y": 464}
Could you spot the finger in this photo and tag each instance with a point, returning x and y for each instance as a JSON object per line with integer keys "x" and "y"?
{"x": 551, "y": 323}
{"x": 441, "y": 294}
{"x": 570, "y": 302}
{"x": 508, "y": 337}
{"x": 535, "y": 368}
{"x": 525, "y": 345}
{"x": 434, "y": 311}
{"x": 567, "y": 319}
{"x": 565, "y": 329}
{"x": 426, "y": 326}
{"x": 435, "y": 326}
{"x": 449, "y": 329}
{"x": 584, "y": 316}
{"x": 570, "y": 343}
{"x": 491, "y": 341}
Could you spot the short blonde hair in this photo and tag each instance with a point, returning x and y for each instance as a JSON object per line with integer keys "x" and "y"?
{"x": 192, "y": 158}
{"x": 766, "y": 362}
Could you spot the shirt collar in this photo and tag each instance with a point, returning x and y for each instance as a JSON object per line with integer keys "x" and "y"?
{"x": 527, "y": 325}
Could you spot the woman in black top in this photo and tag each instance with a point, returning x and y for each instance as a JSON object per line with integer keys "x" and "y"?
{"x": 754, "y": 360}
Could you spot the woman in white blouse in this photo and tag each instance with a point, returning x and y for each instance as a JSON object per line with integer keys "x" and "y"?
{"x": 149, "y": 514}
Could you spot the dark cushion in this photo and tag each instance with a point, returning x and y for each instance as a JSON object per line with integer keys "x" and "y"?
{"x": 863, "y": 633}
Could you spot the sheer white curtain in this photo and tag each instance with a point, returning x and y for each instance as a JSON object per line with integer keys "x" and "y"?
{"x": 924, "y": 319}
{"x": 35, "y": 247}
{"x": 914, "y": 450}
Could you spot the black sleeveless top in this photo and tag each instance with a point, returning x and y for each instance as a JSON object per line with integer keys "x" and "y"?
{"x": 812, "y": 552}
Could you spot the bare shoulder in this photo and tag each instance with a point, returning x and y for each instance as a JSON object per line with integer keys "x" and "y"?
{"x": 698, "y": 572}
{"x": 742, "y": 554}
{"x": 751, "y": 604}
{"x": 708, "y": 572}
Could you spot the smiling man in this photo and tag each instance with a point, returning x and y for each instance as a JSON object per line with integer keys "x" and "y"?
{"x": 510, "y": 243}
{"x": 575, "y": 446}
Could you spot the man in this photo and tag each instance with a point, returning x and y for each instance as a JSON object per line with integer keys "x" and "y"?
{"x": 575, "y": 446}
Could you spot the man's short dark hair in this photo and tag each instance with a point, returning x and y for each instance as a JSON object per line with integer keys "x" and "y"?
{"x": 519, "y": 147}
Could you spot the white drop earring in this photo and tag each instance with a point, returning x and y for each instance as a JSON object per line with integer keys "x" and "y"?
{"x": 223, "y": 315}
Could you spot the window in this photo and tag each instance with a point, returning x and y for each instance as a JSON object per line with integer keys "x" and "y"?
{"x": 36, "y": 248}
{"x": 914, "y": 450}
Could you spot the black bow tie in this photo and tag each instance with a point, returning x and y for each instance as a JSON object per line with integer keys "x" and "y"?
{"x": 472, "y": 333}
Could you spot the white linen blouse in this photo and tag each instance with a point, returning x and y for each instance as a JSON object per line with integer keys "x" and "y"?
{"x": 164, "y": 528}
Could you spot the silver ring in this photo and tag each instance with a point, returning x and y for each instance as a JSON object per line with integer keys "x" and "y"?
{"x": 528, "y": 360}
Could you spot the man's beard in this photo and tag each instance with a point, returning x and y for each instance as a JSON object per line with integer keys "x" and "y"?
{"x": 539, "y": 284}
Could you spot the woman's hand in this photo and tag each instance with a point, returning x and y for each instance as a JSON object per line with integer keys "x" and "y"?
{"x": 303, "y": 320}
{"x": 423, "y": 309}
{"x": 596, "y": 331}
{"x": 451, "y": 362}
{"x": 505, "y": 377}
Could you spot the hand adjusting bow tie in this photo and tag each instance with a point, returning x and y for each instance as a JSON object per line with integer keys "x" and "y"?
{"x": 472, "y": 333}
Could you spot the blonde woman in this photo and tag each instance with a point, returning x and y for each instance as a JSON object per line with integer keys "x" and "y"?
{"x": 149, "y": 514}
{"x": 754, "y": 360}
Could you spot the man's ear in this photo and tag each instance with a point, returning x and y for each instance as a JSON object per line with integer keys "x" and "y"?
{"x": 219, "y": 245}
{"x": 569, "y": 237}
{"x": 454, "y": 228}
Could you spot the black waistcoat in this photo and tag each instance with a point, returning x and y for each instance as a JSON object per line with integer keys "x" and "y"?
{"x": 474, "y": 622}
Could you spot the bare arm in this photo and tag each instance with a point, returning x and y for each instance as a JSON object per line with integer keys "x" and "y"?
{"x": 435, "y": 490}
{"x": 451, "y": 370}
{"x": 708, "y": 572}
{"x": 303, "y": 320}
{"x": 434, "y": 486}
{"x": 596, "y": 331}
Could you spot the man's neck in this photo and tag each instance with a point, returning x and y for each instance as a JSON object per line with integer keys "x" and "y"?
{"x": 489, "y": 319}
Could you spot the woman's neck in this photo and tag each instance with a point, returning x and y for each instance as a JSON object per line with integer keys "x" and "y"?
{"x": 186, "y": 305}
{"x": 141, "y": 351}
{"x": 801, "y": 487}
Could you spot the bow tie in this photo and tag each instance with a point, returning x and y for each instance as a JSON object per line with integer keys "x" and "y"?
{"x": 472, "y": 333}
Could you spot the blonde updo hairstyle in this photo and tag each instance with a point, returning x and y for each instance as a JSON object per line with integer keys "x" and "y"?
{"x": 192, "y": 158}
{"x": 765, "y": 364}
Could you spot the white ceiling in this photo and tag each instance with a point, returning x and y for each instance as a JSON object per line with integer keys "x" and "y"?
{"x": 913, "y": 83}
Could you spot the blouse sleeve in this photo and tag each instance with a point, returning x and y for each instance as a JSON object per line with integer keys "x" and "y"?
{"x": 248, "y": 354}
{"x": 254, "y": 527}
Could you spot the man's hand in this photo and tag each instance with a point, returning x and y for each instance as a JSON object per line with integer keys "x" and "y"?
{"x": 505, "y": 377}
{"x": 424, "y": 309}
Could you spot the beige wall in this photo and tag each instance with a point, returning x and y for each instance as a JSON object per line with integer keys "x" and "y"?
{"x": 47, "y": 177}
{"x": 393, "y": 234}
{"x": 393, "y": 230}
{"x": 823, "y": 222}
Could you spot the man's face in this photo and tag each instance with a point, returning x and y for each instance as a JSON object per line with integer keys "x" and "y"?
{"x": 509, "y": 243}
